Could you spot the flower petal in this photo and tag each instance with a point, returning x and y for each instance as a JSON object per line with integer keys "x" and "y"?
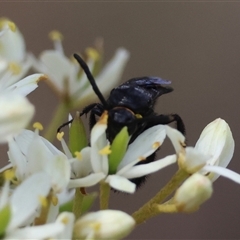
{"x": 42, "y": 232}
{"x": 144, "y": 145}
{"x": 145, "y": 169}
{"x": 216, "y": 140}
{"x": 26, "y": 85}
{"x": 82, "y": 167}
{"x": 25, "y": 199}
{"x": 87, "y": 181}
{"x": 18, "y": 160}
{"x": 98, "y": 142}
{"x": 67, "y": 219}
{"x": 12, "y": 44}
{"x": 112, "y": 72}
{"x": 56, "y": 66}
{"x": 177, "y": 138}
{"x": 59, "y": 170}
{"x": 121, "y": 183}
{"x": 223, "y": 172}
{"x": 16, "y": 113}
{"x": 38, "y": 156}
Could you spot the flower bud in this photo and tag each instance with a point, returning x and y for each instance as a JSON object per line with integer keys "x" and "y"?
{"x": 105, "y": 224}
{"x": 118, "y": 149}
{"x": 192, "y": 193}
{"x": 16, "y": 113}
{"x": 217, "y": 142}
{"x": 77, "y": 135}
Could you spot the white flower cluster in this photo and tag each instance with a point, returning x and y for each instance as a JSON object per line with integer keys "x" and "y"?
{"x": 40, "y": 178}
{"x": 16, "y": 110}
{"x": 37, "y": 169}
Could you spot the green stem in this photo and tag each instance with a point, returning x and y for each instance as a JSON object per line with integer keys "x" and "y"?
{"x": 104, "y": 195}
{"x": 148, "y": 210}
{"x": 57, "y": 120}
{"x": 77, "y": 203}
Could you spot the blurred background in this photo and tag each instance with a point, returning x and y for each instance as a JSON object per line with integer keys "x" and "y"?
{"x": 196, "y": 45}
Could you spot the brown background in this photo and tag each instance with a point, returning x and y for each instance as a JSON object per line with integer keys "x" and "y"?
{"x": 196, "y": 45}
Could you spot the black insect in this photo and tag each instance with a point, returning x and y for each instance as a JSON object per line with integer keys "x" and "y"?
{"x": 130, "y": 104}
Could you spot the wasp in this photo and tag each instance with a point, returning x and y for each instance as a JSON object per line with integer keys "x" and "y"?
{"x": 131, "y": 104}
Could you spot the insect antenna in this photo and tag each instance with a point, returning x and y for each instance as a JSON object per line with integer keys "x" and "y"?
{"x": 63, "y": 125}
{"x": 91, "y": 79}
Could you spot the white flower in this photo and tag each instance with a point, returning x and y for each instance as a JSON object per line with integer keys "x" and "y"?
{"x": 142, "y": 147}
{"x": 82, "y": 174}
{"x": 105, "y": 224}
{"x": 212, "y": 153}
{"x": 68, "y": 79}
{"x": 216, "y": 140}
{"x": 16, "y": 113}
{"x": 192, "y": 193}
{"x": 60, "y": 229}
{"x": 30, "y": 153}
{"x": 14, "y": 61}
{"x": 24, "y": 201}
{"x": 12, "y": 42}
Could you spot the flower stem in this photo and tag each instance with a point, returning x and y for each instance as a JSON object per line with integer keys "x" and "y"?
{"x": 57, "y": 120}
{"x": 77, "y": 203}
{"x": 149, "y": 210}
{"x": 104, "y": 195}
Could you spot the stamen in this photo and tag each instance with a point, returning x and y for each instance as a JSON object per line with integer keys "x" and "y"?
{"x": 42, "y": 78}
{"x": 43, "y": 201}
{"x": 60, "y": 136}
{"x": 183, "y": 144}
{"x": 57, "y": 38}
{"x": 105, "y": 151}
{"x": 9, "y": 174}
{"x": 64, "y": 145}
{"x": 54, "y": 200}
{"x": 141, "y": 158}
{"x": 65, "y": 220}
{"x": 38, "y": 126}
{"x": 11, "y": 25}
{"x": 78, "y": 155}
{"x": 92, "y": 53}
{"x": 156, "y": 145}
{"x": 14, "y": 68}
{"x": 55, "y": 35}
{"x": 96, "y": 226}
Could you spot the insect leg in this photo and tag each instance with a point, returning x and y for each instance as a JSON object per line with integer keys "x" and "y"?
{"x": 96, "y": 111}
{"x": 164, "y": 119}
{"x": 88, "y": 108}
